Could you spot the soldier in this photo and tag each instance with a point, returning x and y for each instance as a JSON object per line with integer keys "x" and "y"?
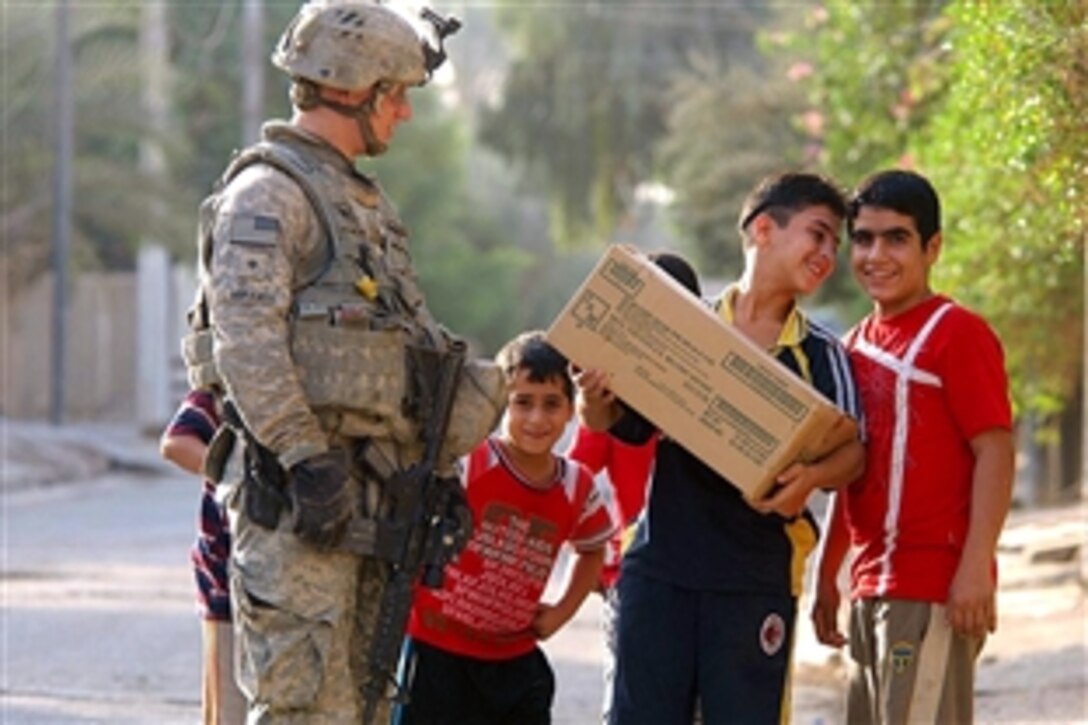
{"x": 311, "y": 324}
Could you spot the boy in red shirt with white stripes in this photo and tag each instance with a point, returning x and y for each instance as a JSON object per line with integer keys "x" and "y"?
{"x": 925, "y": 518}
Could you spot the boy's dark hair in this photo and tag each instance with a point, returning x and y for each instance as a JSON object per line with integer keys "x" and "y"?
{"x": 679, "y": 269}
{"x": 783, "y": 195}
{"x": 905, "y": 192}
{"x": 529, "y": 351}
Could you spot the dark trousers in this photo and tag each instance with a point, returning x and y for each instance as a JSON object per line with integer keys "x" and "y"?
{"x": 450, "y": 689}
{"x": 730, "y": 652}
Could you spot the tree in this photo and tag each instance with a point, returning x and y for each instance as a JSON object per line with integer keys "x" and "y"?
{"x": 457, "y": 237}
{"x": 877, "y": 74}
{"x": 207, "y": 53}
{"x": 989, "y": 100}
{"x": 726, "y": 130}
{"x": 457, "y": 242}
{"x": 1008, "y": 147}
{"x": 110, "y": 194}
{"x": 586, "y": 99}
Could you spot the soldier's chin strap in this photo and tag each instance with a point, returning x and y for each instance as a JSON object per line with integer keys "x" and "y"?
{"x": 433, "y": 56}
{"x": 361, "y": 113}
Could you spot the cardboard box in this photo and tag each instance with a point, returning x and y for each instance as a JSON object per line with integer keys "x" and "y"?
{"x": 673, "y": 360}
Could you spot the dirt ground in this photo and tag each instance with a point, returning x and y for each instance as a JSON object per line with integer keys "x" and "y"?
{"x": 1034, "y": 669}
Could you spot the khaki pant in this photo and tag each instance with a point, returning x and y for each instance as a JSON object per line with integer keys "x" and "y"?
{"x": 303, "y": 621}
{"x": 907, "y": 666}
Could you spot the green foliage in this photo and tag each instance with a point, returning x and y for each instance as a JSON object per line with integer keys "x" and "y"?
{"x": 206, "y": 51}
{"x": 727, "y": 130}
{"x": 586, "y": 98}
{"x": 988, "y": 100}
{"x": 1008, "y": 150}
{"x": 878, "y": 75}
{"x": 27, "y": 156}
{"x": 111, "y": 194}
{"x": 456, "y": 242}
{"x": 457, "y": 238}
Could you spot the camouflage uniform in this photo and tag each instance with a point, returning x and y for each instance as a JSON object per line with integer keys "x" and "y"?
{"x": 308, "y": 337}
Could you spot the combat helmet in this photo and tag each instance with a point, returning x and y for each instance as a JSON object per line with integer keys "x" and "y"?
{"x": 356, "y": 45}
{"x": 353, "y": 45}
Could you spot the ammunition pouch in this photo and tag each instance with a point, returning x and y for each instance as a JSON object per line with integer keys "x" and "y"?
{"x": 363, "y": 383}
{"x": 356, "y": 374}
{"x": 264, "y": 481}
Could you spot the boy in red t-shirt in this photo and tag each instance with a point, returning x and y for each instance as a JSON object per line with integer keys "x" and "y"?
{"x": 925, "y": 518}
{"x": 472, "y": 654}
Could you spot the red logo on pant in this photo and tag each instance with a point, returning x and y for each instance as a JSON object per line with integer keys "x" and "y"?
{"x": 772, "y": 633}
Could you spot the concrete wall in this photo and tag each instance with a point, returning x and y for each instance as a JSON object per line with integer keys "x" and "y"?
{"x": 101, "y": 338}
{"x": 107, "y": 355}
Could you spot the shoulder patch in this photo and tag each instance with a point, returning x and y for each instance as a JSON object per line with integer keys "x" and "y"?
{"x": 254, "y": 230}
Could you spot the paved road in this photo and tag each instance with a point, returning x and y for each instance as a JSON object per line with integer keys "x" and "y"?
{"x": 98, "y": 623}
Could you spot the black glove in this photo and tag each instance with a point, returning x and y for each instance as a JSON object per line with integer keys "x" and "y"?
{"x": 320, "y": 499}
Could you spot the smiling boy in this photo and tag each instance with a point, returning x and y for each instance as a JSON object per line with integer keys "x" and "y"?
{"x": 924, "y": 519}
{"x": 709, "y": 586}
{"x": 473, "y": 643}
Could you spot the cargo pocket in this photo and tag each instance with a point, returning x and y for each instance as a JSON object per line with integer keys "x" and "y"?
{"x": 283, "y": 655}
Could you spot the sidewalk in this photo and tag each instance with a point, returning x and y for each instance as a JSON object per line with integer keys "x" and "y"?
{"x": 36, "y": 453}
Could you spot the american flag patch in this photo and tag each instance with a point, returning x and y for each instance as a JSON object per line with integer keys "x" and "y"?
{"x": 254, "y": 230}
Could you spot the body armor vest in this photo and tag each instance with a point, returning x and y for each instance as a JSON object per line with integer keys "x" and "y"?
{"x": 357, "y": 310}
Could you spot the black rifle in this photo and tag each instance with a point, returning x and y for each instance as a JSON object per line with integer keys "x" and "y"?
{"x": 428, "y": 521}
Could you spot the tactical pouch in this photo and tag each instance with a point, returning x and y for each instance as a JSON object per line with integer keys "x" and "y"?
{"x": 219, "y": 450}
{"x": 262, "y": 488}
{"x": 357, "y": 372}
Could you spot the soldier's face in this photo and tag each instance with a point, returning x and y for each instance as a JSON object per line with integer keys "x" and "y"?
{"x": 391, "y": 109}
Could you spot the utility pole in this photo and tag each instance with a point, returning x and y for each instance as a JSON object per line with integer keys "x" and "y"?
{"x": 62, "y": 209}
{"x": 153, "y": 328}
{"x": 253, "y": 60}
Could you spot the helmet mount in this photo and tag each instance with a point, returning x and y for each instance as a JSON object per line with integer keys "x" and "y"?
{"x": 434, "y": 56}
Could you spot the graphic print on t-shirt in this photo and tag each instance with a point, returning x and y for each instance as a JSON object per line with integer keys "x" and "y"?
{"x": 513, "y": 556}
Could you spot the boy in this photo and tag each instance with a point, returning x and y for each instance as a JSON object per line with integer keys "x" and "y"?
{"x": 472, "y": 653}
{"x": 184, "y": 442}
{"x": 708, "y": 588}
{"x": 925, "y": 517}
{"x": 628, "y": 468}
